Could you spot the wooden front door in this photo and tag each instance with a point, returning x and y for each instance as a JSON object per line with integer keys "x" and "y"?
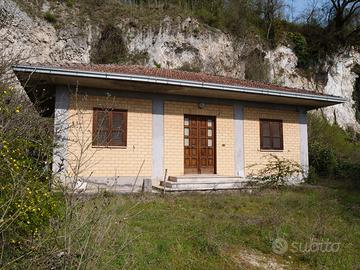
{"x": 199, "y": 144}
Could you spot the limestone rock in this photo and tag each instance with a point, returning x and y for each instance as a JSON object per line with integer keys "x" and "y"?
{"x": 176, "y": 44}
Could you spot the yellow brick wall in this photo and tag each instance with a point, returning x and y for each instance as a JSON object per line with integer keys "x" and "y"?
{"x": 112, "y": 161}
{"x": 174, "y": 135}
{"x": 291, "y": 134}
{"x": 126, "y": 161}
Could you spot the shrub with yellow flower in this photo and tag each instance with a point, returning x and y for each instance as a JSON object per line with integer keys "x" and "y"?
{"x": 25, "y": 152}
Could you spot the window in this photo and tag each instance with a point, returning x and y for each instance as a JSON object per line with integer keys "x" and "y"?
{"x": 271, "y": 134}
{"x": 109, "y": 127}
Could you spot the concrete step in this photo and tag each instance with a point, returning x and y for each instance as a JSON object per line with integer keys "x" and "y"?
{"x": 203, "y": 182}
{"x": 207, "y": 179}
{"x": 199, "y": 187}
{"x": 218, "y": 185}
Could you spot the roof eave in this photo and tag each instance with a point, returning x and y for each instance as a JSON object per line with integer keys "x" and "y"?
{"x": 328, "y": 100}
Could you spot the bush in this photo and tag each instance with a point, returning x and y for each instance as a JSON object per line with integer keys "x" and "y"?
{"x": 322, "y": 158}
{"x": 277, "y": 172}
{"x": 348, "y": 171}
{"x": 51, "y": 18}
{"x": 300, "y": 49}
{"x": 31, "y": 203}
{"x": 313, "y": 177}
{"x": 25, "y": 153}
{"x": 343, "y": 143}
{"x": 241, "y": 20}
{"x": 110, "y": 48}
{"x": 333, "y": 152}
{"x": 210, "y": 18}
{"x": 70, "y": 3}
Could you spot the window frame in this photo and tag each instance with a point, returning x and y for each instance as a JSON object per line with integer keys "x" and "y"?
{"x": 110, "y": 113}
{"x": 271, "y": 148}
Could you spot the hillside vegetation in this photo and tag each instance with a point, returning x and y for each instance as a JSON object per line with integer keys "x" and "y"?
{"x": 333, "y": 152}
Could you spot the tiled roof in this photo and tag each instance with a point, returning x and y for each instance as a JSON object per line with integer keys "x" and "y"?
{"x": 182, "y": 75}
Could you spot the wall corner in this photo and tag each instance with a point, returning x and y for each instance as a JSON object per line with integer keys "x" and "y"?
{"x": 304, "y": 152}
{"x": 157, "y": 138}
{"x": 239, "y": 139}
{"x": 62, "y": 101}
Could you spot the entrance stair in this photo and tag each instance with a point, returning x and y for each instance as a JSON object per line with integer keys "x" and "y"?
{"x": 202, "y": 183}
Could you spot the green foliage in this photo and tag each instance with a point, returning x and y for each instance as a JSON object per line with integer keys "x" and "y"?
{"x": 257, "y": 68}
{"x": 244, "y": 19}
{"x": 156, "y": 64}
{"x": 25, "y": 154}
{"x": 50, "y": 17}
{"x": 300, "y": 49}
{"x": 349, "y": 170}
{"x": 332, "y": 136}
{"x": 210, "y": 12}
{"x": 313, "y": 177}
{"x": 34, "y": 206}
{"x": 39, "y": 228}
{"x": 322, "y": 159}
{"x": 70, "y": 3}
{"x": 333, "y": 152}
{"x": 110, "y": 48}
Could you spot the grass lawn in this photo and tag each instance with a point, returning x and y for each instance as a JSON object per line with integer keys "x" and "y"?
{"x": 235, "y": 230}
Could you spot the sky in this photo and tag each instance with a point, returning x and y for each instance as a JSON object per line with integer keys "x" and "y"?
{"x": 298, "y": 6}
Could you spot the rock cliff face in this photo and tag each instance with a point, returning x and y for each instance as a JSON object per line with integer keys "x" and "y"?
{"x": 185, "y": 44}
{"x": 176, "y": 43}
{"x": 338, "y": 79}
{"x": 34, "y": 40}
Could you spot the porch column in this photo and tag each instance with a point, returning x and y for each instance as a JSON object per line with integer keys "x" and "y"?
{"x": 304, "y": 155}
{"x": 157, "y": 137}
{"x": 62, "y": 100}
{"x": 239, "y": 139}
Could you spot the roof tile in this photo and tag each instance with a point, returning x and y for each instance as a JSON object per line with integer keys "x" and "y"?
{"x": 182, "y": 75}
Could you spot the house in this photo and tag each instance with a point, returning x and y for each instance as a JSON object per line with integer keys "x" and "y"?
{"x": 117, "y": 125}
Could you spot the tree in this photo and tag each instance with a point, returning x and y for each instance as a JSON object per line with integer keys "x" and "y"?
{"x": 343, "y": 20}
{"x": 271, "y": 10}
{"x": 312, "y": 14}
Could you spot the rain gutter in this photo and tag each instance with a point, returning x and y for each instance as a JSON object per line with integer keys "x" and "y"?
{"x": 175, "y": 82}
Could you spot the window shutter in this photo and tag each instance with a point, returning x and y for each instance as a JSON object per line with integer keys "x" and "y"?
{"x": 271, "y": 134}
{"x": 119, "y": 128}
{"x": 109, "y": 127}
